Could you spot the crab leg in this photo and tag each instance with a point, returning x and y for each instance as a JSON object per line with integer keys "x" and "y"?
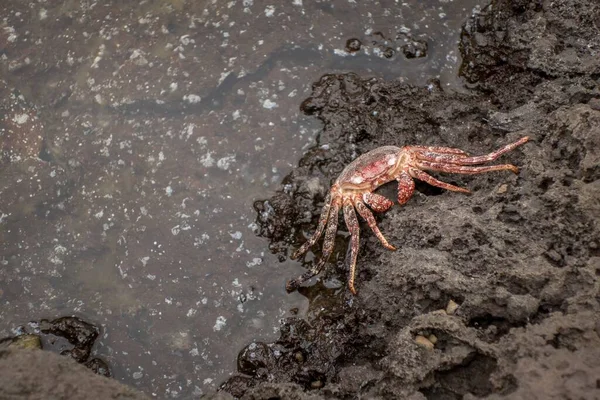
{"x": 425, "y": 177}
{"x": 451, "y": 159}
{"x": 368, "y": 216}
{"x": 406, "y": 187}
{"x": 319, "y": 231}
{"x": 352, "y": 224}
{"x": 439, "y": 150}
{"x": 377, "y": 202}
{"x": 458, "y": 169}
{"x": 328, "y": 243}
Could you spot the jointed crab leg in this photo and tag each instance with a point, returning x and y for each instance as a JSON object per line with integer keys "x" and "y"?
{"x": 352, "y": 224}
{"x": 444, "y": 157}
{"x": 406, "y": 187}
{"x": 459, "y": 169}
{"x": 425, "y": 177}
{"x": 319, "y": 231}
{"x": 440, "y": 150}
{"x": 367, "y": 215}
{"x": 328, "y": 242}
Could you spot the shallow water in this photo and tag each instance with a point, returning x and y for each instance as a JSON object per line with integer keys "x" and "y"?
{"x": 160, "y": 124}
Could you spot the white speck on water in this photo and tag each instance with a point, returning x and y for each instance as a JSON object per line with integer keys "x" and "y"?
{"x": 220, "y": 323}
{"x": 20, "y": 119}
{"x": 269, "y": 11}
{"x": 293, "y": 93}
{"x": 99, "y": 214}
{"x": 255, "y": 261}
{"x": 168, "y": 300}
{"x": 161, "y": 156}
{"x": 236, "y": 114}
{"x": 169, "y": 190}
{"x": 207, "y": 160}
{"x": 268, "y": 104}
{"x": 236, "y": 235}
{"x": 223, "y": 76}
{"x": 43, "y": 14}
{"x": 207, "y": 381}
{"x": 138, "y": 375}
{"x": 342, "y": 53}
{"x": 175, "y": 230}
{"x": 60, "y": 249}
{"x": 297, "y": 3}
{"x": 144, "y": 260}
{"x": 12, "y": 36}
{"x": 191, "y": 312}
{"x": 192, "y": 98}
{"x": 194, "y": 352}
{"x": 143, "y": 210}
{"x": 225, "y": 162}
{"x": 151, "y": 277}
{"x": 173, "y": 86}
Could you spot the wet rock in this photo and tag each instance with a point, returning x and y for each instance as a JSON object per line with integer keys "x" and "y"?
{"x": 415, "y": 49}
{"x": 237, "y": 385}
{"x": 69, "y": 336}
{"x": 79, "y": 333}
{"x": 255, "y": 359}
{"x": 353, "y": 45}
{"x": 98, "y": 367}
{"x": 521, "y": 263}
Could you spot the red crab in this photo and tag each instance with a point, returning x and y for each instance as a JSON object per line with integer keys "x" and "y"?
{"x": 355, "y": 185}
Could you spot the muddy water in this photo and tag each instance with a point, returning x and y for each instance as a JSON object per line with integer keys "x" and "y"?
{"x": 158, "y": 125}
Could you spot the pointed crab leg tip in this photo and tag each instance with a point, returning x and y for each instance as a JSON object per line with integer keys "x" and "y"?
{"x": 353, "y": 291}
{"x": 390, "y": 247}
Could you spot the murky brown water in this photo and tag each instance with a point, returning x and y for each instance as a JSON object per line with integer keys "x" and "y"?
{"x": 160, "y": 124}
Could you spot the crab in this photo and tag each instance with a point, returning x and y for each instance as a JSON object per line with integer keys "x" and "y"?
{"x": 353, "y": 190}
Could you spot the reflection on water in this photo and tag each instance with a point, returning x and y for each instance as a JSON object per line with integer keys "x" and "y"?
{"x": 158, "y": 125}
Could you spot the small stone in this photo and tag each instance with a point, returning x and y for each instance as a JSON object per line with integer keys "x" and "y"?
{"x": 316, "y": 384}
{"x": 27, "y": 342}
{"x": 424, "y": 342}
{"x": 594, "y": 104}
{"x": 299, "y": 356}
{"x": 353, "y": 45}
{"x": 502, "y": 189}
{"x": 451, "y": 307}
{"x": 433, "y": 339}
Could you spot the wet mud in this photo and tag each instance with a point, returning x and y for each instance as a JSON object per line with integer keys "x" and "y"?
{"x": 490, "y": 295}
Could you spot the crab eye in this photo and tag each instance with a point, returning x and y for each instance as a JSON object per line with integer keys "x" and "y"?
{"x": 392, "y": 161}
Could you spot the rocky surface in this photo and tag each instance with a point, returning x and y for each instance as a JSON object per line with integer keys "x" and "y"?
{"x": 492, "y": 295}
{"x": 489, "y": 296}
{"x": 36, "y": 374}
